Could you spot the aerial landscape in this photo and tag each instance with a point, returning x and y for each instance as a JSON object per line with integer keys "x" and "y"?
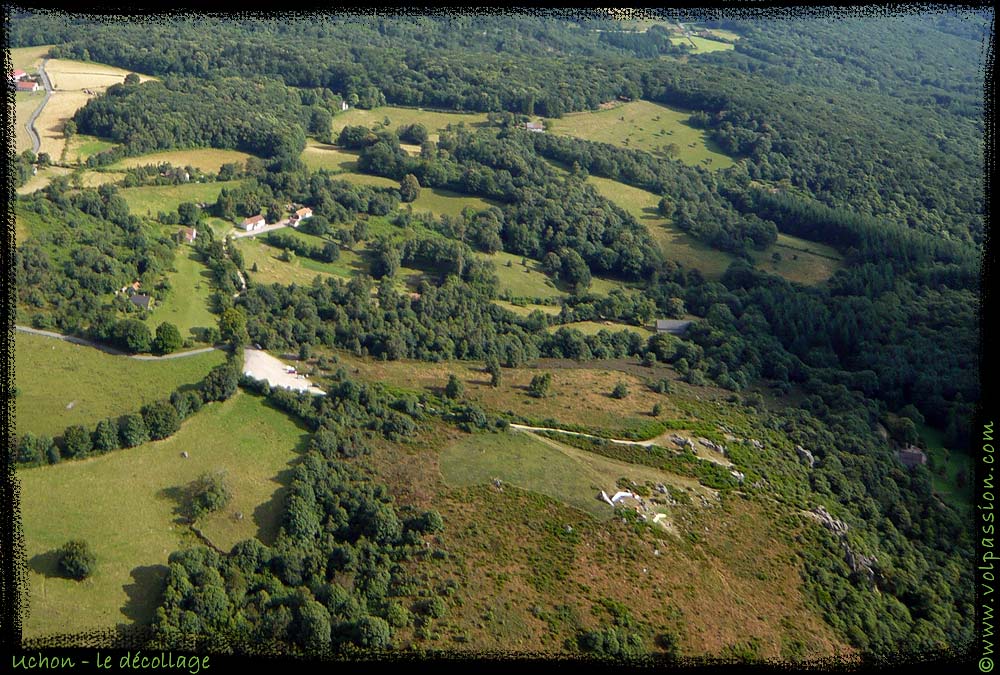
{"x": 599, "y": 334}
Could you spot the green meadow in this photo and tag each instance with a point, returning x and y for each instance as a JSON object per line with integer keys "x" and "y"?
{"x": 125, "y": 505}
{"x": 60, "y": 384}
{"x": 643, "y": 125}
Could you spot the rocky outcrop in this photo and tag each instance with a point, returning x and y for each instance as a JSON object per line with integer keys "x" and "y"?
{"x": 857, "y": 562}
{"x": 806, "y": 455}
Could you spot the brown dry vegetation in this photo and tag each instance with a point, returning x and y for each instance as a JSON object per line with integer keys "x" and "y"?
{"x": 580, "y": 396}
{"x": 525, "y": 584}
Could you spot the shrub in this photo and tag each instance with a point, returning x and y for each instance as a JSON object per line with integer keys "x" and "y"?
{"x": 76, "y": 560}
{"x": 105, "y": 437}
{"x": 207, "y": 493}
{"x": 454, "y": 389}
{"x": 161, "y": 420}
{"x": 620, "y": 391}
{"x": 540, "y": 385}
{"x": 76, "y": 442}
{"x": 133, "y": 431}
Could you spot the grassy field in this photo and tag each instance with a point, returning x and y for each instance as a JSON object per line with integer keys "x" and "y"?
{"x": 642, "y": 125}
{"x": 318, "y": 156}
{"x": 594, "y": 327}
{"x": 804, "y": 261}
{"x": 28, "y": 58}
{"x": 702, "y": 45}
{"x": 82, "y": 146}
{"x": 187, "y": 305}
{"x": 69, "y": 80}
{"x": 432, "y": 120}
{"x": 206, "y": 159}
{"x": 522, "y": 281}
{"x": 570, "y": 475}
{"x": 123, "y": 504}
{"x": 445, "y": 202}
{"x": 525, "y": 310}
{"x": 60, "y": 383}
{"x": 151, "y": 199}
{"x": 87, "y": 178}
{"x": 26, "y": 102}
{"x": 675, "y": 244}
{"x": 532, "y": 570}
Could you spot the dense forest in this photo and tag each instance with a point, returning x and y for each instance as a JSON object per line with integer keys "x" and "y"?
{"x": 866, "y": 137}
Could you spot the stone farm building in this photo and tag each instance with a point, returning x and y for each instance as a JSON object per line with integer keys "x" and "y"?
{"x": 672, "y": 326}
{"x": 912, "y": 456}
{"x": 189, "y": 234}
{"x": 534, "y": 126}
{"x": 300, "y": 215}
{"x": 253, "y": 223}
{"x": 27, "y": 85}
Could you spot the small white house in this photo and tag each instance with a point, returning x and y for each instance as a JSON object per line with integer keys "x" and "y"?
{"x": 253, "y": 223}
{"x": 344, "y": 106}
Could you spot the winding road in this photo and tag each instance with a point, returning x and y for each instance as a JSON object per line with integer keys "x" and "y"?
{"x": 111, "y": 350}
{"x": 36, "y": 141}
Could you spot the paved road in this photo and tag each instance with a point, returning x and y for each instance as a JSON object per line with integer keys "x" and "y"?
{"x": 111, "y": 350}
{"x": 263, "y": 230}
{"x": 36, "y": 141}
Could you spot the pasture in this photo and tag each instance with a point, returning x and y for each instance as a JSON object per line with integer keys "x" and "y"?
{"x": 28, "y": 58}
{"x": 206, "y": 159}
{"x": 186, "y": 306}
{"x": 522, "y": 281}
{"x": 700, "y": 45}
{"x": 124, "y": 504}
{"x": 445, "y": 202}
{"x": 83, "y": 178}
{"x": 800, "y": 260}
{"x": 643, "y": 125}
{"x": 149, "y": 200}
{"x": 60, "y": 384}
{"x": 318, "y": 156}
{"x": 433, "y": 120}
{"x": 675, "y": 244}
{"x": 82, "y": 146}
{"x": 595, "y": 327}
{"x": 526, "y": 309}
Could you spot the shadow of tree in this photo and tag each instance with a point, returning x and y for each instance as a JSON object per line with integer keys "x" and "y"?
{"x": 180, "y": 497}
{"x": 46, "y": 564}
{"x": 267, "y": 515}
{"x": 144, "y": 593}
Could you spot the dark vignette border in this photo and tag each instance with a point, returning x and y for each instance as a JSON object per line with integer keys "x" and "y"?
{"x": 13, "y": 601}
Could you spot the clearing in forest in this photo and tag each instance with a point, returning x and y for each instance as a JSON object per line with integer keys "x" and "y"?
{"x": 187, "y": 304}
{"x": 643, "y": 125}
{"x": 434, "y": 121}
